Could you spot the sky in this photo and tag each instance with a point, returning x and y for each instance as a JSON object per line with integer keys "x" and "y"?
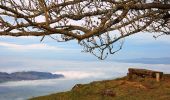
{"x": 29, "y": 53}
{"x": 140, "y": 45}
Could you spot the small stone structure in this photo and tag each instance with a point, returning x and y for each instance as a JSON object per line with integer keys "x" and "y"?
{"x": 145, "y": 73}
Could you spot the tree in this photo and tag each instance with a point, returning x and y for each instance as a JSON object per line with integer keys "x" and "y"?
{"x": 97, "y": 25}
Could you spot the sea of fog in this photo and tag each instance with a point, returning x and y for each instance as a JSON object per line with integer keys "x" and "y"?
{"x": 75, "y": 73}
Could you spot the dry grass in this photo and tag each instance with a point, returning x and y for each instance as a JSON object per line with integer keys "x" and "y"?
{"x": 117, "y": 89}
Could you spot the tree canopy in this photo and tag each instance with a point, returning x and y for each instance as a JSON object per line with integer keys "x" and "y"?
{"x": 100, "y": 26}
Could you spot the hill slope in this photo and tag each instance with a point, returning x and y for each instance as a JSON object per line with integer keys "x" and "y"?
{"x": 118, "y": 89}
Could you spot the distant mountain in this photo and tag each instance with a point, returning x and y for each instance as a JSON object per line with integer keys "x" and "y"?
{"x": 165, "y": 60}
{"x": 30, "y": 75}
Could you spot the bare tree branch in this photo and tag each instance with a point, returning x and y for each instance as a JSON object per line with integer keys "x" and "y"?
{"x": 100, "y": 26}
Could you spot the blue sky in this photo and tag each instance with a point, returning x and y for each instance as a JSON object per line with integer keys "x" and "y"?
{"x": 140, "y": 45}
{"x": 31, "y": 53}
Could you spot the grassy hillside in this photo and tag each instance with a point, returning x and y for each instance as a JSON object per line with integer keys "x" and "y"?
{"x": 117, "y": 89}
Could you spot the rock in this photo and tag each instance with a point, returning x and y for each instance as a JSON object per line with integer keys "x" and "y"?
{"x": 77, "y": 86}
{"x": 108, "y": 92}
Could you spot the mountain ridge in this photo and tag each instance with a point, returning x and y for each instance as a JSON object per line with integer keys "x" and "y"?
{"x": 27, "y": 75}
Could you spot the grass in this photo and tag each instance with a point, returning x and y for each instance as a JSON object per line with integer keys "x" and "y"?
{"x": 117, "y": 89}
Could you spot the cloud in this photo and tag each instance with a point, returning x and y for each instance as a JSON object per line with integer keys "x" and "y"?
{"x": 23, "y": 47}
{"x": 31, "y": 82}
{"x": 79, "y": 74}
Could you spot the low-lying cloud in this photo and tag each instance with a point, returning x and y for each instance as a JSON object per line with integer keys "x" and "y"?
{"x": 79, "y": 74}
